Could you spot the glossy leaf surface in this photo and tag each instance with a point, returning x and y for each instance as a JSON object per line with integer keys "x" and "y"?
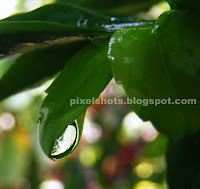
{"x": 158, "y": 62}
{"x": 85, "y": 76}
{"x": 38, "y": 65}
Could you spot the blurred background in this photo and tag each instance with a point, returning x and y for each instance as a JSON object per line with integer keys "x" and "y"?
{"x": 117, "y": 149}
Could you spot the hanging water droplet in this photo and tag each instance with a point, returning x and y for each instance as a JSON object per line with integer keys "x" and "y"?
{"x": 66, "y": 142}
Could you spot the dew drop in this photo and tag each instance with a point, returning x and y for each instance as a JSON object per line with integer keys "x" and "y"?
{"x": 82, "y": 22}
{"x": 66, "y": 142}
{"x": 110, "y": 57}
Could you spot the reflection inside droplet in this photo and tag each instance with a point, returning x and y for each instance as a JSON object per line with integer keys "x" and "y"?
{"x": 67, "y": 141}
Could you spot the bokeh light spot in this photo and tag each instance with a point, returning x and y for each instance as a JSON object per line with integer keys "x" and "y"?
{"x": 149, "y": 132}
{"x": 88, "y": 156}
{"x": 91, "y": 131}
{"x": 7, "y": 121}
{"x": 7, "y": 8}
{"x": 52, "y": 184}
{"x": 144, "y": 170}
{"x": 147, "y": 185}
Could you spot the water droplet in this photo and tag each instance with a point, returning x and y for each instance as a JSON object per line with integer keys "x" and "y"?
{"x": 82, "y": 22}
{"x": 111, "y": 58}
{"x": 66, "y": 142}
{"x": 154, "y": 28}
{"x": 117, "y": 26}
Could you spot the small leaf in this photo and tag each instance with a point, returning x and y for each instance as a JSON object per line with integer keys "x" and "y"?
{"x": 38, "y": 65}
{"x": 85, "y": 76}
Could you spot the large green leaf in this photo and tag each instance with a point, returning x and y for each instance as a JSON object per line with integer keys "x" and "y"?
{"x": 183, "y": 168}
{"x": 84, "y": 77}
{"x": 74, "y": 15}
{"x": 37, "y": 65}
{"x": 158, "y": 62}
{"x": 14, "y": 35}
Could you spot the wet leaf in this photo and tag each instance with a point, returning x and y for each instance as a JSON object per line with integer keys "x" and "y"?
{"x": 161, "y": 62}
{"x": 85, "y": 76}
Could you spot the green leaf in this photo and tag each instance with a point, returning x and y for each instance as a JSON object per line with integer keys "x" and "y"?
{"x": 113, "y": 6}
{"x": 38, "y": 65}
{"x": 85, "y": 76}
{"x": 158, "y": 62}
{"x": 73, "y": 15}
{"x": 183, "y": 168}
{"x": 14, "y": 35}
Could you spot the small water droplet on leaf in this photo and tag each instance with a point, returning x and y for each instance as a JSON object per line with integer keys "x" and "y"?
{"x": 82, "y": 21}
